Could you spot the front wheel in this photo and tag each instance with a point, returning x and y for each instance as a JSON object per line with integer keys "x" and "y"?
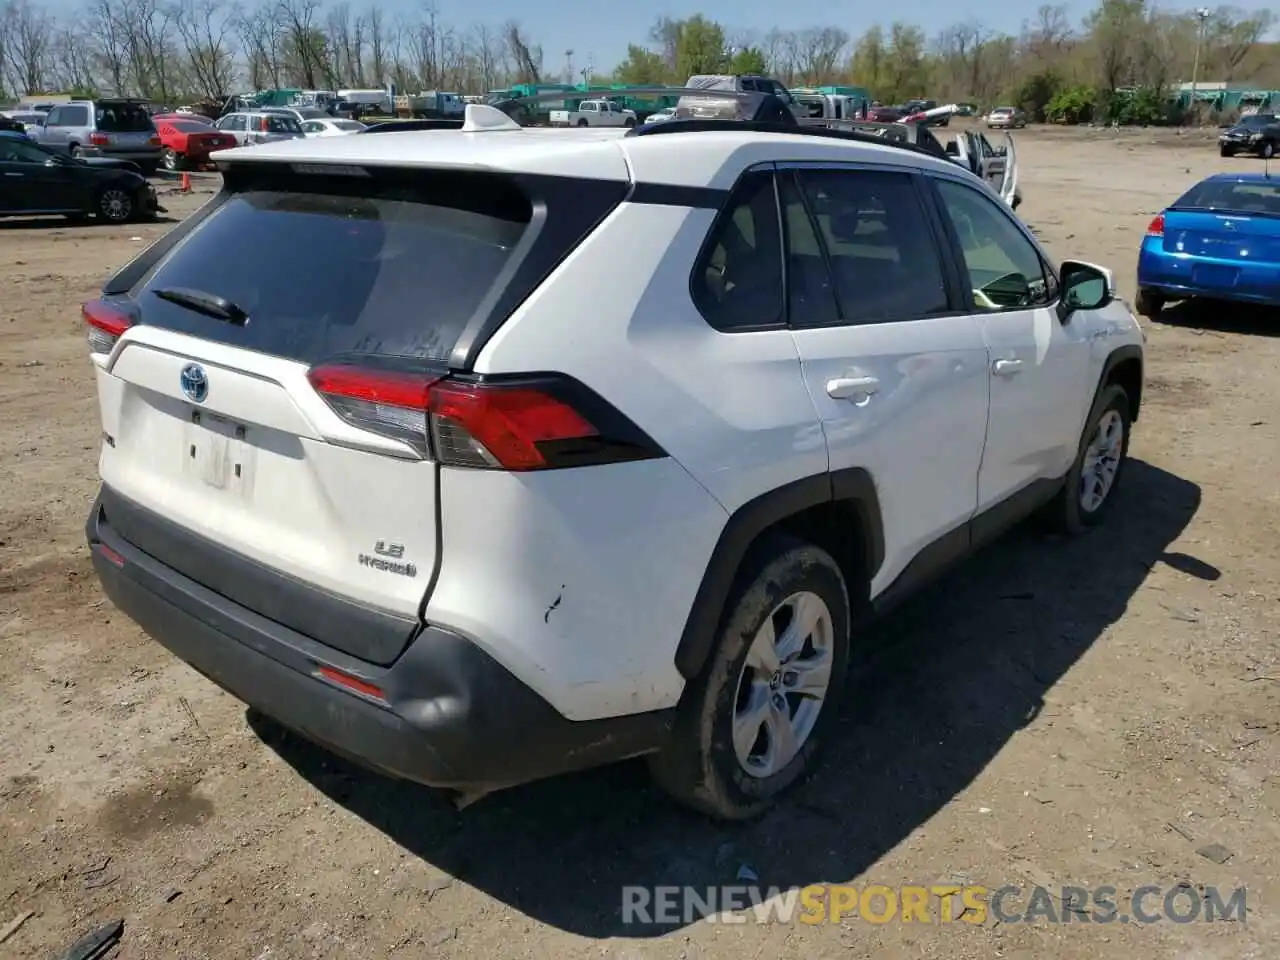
{"x": 170, "y": 160}
{"x": 1268, "y": 150}
{"x": 1095, "y": 476}
{"x": 114, "y": 205}
{"x": 1226, "y": 152}
{"x": 751, "y": 723}
{"x": 582, "y": 121}
{"x": 1148, "y": 303}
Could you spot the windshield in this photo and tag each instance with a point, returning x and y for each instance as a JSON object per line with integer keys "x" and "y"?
{"x": 1256, "y": 121}
{"x": 123, "y": 118}
{"x": 1249, "y": 196}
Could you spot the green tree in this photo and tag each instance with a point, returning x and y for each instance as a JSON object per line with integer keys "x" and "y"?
{"x": 642, "y": 66}
{"x": 869, "y": 62}
{"x": 700, "y": 48}
{"x": 747, "y": 60}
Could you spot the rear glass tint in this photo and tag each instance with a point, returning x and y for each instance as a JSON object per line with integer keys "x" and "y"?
{"x": 281, "y": 124}
{"x": 333, "y": 265}
{"x": 123, "y": 118}
{"x": 1250, "y": 196}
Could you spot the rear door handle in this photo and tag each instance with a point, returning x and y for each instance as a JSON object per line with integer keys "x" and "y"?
{"x": 842, "y": 388}
{"x": 1006, "y": 368}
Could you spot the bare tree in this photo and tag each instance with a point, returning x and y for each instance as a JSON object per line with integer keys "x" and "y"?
{"x": 820, "y": 52}
{"x": 527, "y": 57}
{"x": 206, "y": 30}
{"x": 305, "y": 45}
{"x": 376, "y": 30}
{"x": 110, "y": 44}
{"x": 28, "y": 42}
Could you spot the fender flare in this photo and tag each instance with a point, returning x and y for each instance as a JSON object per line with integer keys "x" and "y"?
{"x": 1130, "y": 351}
{"x": 854, "y": 485}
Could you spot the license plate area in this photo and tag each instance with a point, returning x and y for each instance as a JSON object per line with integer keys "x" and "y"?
{"x": 1216, "y": 274}
{"x": 217, "y": 453}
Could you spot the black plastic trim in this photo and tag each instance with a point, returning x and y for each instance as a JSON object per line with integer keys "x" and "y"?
{"x": 373, "y": 635}
{"x": 675, "y": 195}
{"x": 450, "y": 715}
{"x": 746, "y": 524}
{"x": 1130, "y": 351}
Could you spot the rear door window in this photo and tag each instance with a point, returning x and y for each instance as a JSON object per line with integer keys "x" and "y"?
{"x": 123, "y": 118}
{"x": 393, "y": 264}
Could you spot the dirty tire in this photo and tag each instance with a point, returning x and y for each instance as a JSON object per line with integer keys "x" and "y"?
{"x": 1148, "y": 303}
{"x": 1067, "y": 514}
{"x": 698, "y": 766}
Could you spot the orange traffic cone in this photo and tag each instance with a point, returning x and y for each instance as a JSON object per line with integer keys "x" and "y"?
{"x": 186, "y": 183}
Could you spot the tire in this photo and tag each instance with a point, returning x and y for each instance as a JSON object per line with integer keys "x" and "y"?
{"x": 700, "y": 765}
{"x": 170, "y": 160}
{"x": 1075, "y": 511}
{"x": 628, "y": 122}
{"x": 582, "y": 121}
{"x": 1268, "y": 150}
{"x": 74, "y": 152}
{"x": 1226, "y": 152}
{"x": 1148, "y": 303}
{"x": 114, "y": 204}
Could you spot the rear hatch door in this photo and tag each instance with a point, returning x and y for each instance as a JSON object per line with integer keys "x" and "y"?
{"x": 1247, "y": 237}
{"x": 227, "y": 462}
{"x": 126, "y": 126}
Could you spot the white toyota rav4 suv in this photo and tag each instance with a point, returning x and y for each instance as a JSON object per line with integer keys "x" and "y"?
{"x": 577, "y": 446}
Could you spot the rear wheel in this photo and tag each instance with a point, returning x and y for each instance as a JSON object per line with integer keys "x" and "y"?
{"x": 114, "y": 205}
{"x": 1149, "y": 303}
{"x": 1226, "y": 151}
{"x": 75, "y": 152}
{"x": 751, "y": 723}
{"x": 628, "y": 122}
{"x": 582, "y": 121}
{"x": 170, "y": 160}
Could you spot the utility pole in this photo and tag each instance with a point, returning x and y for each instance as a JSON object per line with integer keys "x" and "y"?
{"x": 568, "y": 66}
{"x": 1202, "y": 15}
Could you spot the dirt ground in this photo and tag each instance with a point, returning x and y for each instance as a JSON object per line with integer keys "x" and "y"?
{"x": 1091, "y": 712}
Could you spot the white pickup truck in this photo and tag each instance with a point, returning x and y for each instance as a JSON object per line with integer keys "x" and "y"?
{"x": 594, "y": 113}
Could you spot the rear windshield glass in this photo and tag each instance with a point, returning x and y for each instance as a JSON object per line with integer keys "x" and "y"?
{"x": 337, "y": 266}
{"x": 276, "y": 123}
{"x": 123, "y": 118}
{"x": 1251, "y": 196}
{"x": 187, "y": 126}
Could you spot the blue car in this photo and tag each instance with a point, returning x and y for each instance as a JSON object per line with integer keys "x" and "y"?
{"x": 1220, "y": 240}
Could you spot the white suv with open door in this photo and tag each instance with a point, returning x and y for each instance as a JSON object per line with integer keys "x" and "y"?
{"x": 579, "y": 446}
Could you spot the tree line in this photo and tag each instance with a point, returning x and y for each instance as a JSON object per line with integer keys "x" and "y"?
{"x": 176, "y": 50}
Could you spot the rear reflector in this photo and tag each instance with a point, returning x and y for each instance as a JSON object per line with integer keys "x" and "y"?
{"x": 106, "y": 324}
{"x": 1156, "y": 227}
{"x": 355, "y": 684}
{"x": 114, "y": 558}
{"x": 525, "y": 425}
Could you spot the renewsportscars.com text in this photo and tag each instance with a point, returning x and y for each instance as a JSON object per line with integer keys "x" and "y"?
{"x": 834, "y": 903}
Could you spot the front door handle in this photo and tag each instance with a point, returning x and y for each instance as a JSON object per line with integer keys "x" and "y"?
{"x": 842, "y": 388}
{"x": 1006, "y": 368}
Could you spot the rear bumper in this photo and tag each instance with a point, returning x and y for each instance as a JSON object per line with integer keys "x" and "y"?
{"x": 445, "y": 714}
{"x": 1176, "y": 277}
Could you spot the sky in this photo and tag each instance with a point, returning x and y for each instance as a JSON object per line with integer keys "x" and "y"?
{"x": 601, "y": 32}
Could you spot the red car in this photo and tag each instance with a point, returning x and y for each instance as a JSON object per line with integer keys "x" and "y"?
{"x": 189, "y": 142}
{"x": 885, "y": 114}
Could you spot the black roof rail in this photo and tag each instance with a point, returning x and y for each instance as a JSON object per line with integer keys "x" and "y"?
{"x": 679, "y": 125}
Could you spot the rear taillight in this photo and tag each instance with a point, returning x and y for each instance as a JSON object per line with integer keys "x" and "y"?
{"x": 530, "y": 424}
{"x": 262, "y": 124}
{"x": 106, "y": 324}
{"x": 154, "y": 141}
{"x": 99, "y": 139}
{"x": 1156, "y": 227}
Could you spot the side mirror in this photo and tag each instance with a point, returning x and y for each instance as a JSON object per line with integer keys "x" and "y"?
{"x": 1085, "y": 286}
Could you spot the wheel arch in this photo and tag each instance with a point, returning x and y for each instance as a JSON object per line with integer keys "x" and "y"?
{"x": 838, "y": 511}
{"x": 1123, "y": 368}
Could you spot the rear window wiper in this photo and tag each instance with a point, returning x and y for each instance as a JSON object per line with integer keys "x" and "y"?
{"x": 220, "y": 308}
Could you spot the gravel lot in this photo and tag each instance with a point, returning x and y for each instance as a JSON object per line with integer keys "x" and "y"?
{"x": 1088, "y": 712}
